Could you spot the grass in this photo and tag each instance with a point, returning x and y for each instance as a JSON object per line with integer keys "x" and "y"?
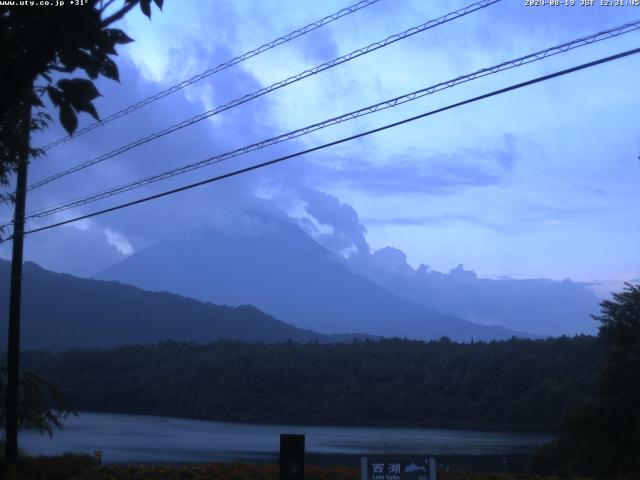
{"x": 60, "y": 467}
{"x": 230, "y": 471}
{"x": 84, "y": 467}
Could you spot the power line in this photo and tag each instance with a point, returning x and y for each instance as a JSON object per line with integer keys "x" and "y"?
{"x": 223, "y": 66}
{"x": 539, "y": 55}
{"x": 342, "y": 140}
{"x": 263, "y": 91}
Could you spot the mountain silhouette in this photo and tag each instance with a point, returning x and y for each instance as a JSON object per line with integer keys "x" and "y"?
{"x": 277, "y": 267}
{"x": 60, "y": 312}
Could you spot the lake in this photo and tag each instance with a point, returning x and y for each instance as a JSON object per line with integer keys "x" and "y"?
{"x": 147, "y": 439}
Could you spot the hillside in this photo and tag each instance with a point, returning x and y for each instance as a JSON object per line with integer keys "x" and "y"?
{"x": 60, "y": 311}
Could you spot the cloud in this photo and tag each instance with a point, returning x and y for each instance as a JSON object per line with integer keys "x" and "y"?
{"x": 540, "y": 306}
{"x": 211, "y": 205}
{"x": 444, "y": 219}
{"x": 391, "y": 259}
{"x": 328, "y": 210}
{"x": 119, "y": 241}
{"x": 424, "y": 172}
{"x": 456, "y": 186}
{"x": 79, "y": 251}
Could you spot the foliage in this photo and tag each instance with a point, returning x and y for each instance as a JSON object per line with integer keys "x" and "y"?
{"x": 604, "y": 438}
{"x": 517, "y": 384}
{"x": 620, "y": 334}
{"x": 39, "y": 43}
{"x": 41, "y": 407}
{"x": 59, "y": 467}
{"x": 229, "y": 471}
{"x": 82, "y": 467}
{"x": 262, "y": 472}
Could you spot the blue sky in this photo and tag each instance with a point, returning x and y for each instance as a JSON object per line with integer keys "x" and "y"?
{"x": 542, "y": 182}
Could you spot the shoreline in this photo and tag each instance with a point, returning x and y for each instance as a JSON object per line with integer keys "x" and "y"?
{"x": 435, "y": 427}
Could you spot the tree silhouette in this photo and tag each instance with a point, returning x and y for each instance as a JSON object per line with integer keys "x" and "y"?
{"x": 39, "y": 43}
{"x": 42, "y": 406}
{"x": 604, "y": 439}
{"x": 620, "y": 387}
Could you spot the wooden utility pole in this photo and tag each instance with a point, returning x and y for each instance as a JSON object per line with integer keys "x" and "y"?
{"x": 13, "y": 348}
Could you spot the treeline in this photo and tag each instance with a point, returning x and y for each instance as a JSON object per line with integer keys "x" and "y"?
{"x": 518, "y": 384}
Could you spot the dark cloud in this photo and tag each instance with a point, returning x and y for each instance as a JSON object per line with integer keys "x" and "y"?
{"x": 223, "y": 204}
{"x": 318, "y": 47}
{"x": 432, "y": 220}
{"x": 70, "y": 250}
{"x": 217, "y": 204}
{"x": 417, "y": 172}
{"x": 328, "y": 210}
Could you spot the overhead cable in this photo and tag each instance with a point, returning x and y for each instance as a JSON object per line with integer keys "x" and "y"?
{"x": 393, "y": 102}
{"x": 337, "y": 142}
{"x": 263, "y": 91}
{"x": 212, "y": 71}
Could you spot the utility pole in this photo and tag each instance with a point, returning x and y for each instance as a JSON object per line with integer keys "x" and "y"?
{"x": 13, "y": 348}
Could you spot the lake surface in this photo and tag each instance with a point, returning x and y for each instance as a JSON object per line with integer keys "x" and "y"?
{"x": 147, "y": 439}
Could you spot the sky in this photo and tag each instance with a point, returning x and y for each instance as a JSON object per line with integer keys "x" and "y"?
{"x": 537, "y": 183}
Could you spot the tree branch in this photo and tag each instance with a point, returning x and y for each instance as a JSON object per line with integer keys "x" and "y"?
{"x": 119, "y": 14}
{"x": 106, "y": 5}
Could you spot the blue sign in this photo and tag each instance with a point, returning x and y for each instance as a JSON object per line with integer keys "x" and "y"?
{"x": 397, "y": 469}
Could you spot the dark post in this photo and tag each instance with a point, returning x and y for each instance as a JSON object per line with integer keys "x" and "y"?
{"x": 291, "y": 457}
{"x": 13, "y": 347}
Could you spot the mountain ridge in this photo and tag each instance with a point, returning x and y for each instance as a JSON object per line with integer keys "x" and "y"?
{"x": 281, "y": 270}
{"x": 56, "y": 308}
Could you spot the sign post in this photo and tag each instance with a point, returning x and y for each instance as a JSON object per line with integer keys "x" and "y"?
{"x": 291, "y": 457}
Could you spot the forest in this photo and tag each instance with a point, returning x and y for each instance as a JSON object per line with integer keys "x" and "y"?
{"x": 520, "y": 384}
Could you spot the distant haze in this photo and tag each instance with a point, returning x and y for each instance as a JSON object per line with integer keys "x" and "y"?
{"x": 540, "y": 306}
